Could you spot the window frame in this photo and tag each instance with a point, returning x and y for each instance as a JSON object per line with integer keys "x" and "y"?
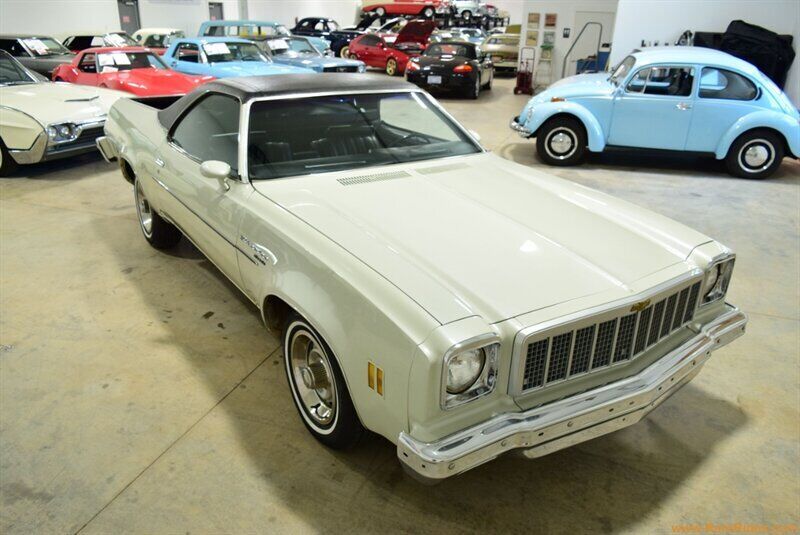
{"x": 691, "y": 67}
{"x": 726, "y": 69}
{"x": 236, "y": 174}
{"x": 200, "y": 56}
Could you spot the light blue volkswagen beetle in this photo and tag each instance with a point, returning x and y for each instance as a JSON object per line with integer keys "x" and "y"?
{"x": 674, "y": 98}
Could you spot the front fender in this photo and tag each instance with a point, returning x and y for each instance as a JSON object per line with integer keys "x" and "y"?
{"x": 786, "y": 125}
{"x": 18, "y": 129}
{"x": 544, "y": 111}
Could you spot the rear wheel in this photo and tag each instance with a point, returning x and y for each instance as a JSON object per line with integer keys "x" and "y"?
{"x": 344, "y": 52}
{"x": 391, "y": 66}
{"x": 7, "y": 163}
{"x": 755, "y": 154}
{"x": 318, "y": 386}
{"x": 381, "y": 12}
{"x": 428, "y": 12}
{"x": 561, "y": 141}
{"x": 475, "y": 91}
{"x": 488, "y": 86}
{"x": 157, "y": 231}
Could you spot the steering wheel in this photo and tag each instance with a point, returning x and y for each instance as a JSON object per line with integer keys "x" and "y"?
{"x": 402, "y": 141}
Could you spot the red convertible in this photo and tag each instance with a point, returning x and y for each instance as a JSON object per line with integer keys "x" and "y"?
{"x": 375, "y": 51}
{"x": 136, "y": 70}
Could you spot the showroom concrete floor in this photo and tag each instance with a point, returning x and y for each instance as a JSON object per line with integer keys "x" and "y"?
{"x": 140, "y": 393}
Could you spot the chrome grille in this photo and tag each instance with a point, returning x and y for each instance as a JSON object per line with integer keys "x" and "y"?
{"x": 607, "y": 339}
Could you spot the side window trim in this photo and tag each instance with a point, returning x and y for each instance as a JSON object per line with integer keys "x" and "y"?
{"x": 693, "y": 70}
{"x": 699, "y": 88}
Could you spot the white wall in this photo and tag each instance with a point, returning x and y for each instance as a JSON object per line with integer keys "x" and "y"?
{"x": 662, "y": 20}
{"x": 565, "y": 9}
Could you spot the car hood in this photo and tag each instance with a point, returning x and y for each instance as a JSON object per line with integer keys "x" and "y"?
{"x": 54, "y": 61}
{"x": 159, "y": 82}
{"x": 253, "y": 68}
{"x": 580, "y": 85}
{"x": 484, "y": 236}
{"x": 415, "y": 32}
{"x": 50, "y": 102}
{"x": 317, "y": 63}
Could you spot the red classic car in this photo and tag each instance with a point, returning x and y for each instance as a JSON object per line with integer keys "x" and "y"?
{"x": 426, "y": 8}
{"x": 373, "y": 49}
{"x": 136, "y": 70}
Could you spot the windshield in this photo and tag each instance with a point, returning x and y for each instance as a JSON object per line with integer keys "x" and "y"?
{"x": 224, "y": 52}
{"x": 471, "y": 32}
{"x": 292, "y": 48}
{"x": 45, "y": 46}
{"x": 622, "y": 70}
{"x": 119, "y": 39}
{"x": 126, "y": 61}
{"x": 336, "y": 133}
{"x": 12, "y": 73}
{"x": 333, "y": 25}
{"x": 448, "y": 49}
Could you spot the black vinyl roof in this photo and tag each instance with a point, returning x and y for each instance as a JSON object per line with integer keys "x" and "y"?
{"x": 247, "y": 88}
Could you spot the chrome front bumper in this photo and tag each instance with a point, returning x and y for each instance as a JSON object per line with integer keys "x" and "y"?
{"x": 519, "y": 129}
{"x": 106, "y": 148}
{"x": 567, "y": 422}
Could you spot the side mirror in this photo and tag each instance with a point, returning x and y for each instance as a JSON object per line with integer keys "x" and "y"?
{"x": 217, "y": 170}
{"x": 474, "y": 134}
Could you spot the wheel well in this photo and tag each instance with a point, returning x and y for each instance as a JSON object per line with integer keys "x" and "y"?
{"x": 562, "y": 115}
{"x": 127, "y": 171}
{"x": 786, "y": 149}
{"x": 275, "y": 312}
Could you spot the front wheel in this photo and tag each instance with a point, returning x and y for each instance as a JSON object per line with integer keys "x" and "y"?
{"x": 391, "y": 67}
{"x": 7, "y": 163}
{"x": 488, "y": 86}
{"x": 428, "y": 12}
{"x": 344, "y": 52}
{"x": 381, "y": 12}
{"x": 157, "y": 231}
{"x": 755, "y": 154}
{"x": 561, "y": 141}
{"x": 318, "y": 386}
{"x": 467, "y": 14}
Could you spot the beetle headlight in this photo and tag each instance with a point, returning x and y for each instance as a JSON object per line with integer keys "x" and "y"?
{"x": 59, "y": 133}
{"x": 470, "y": 370}
{"x": 717, "y": 279}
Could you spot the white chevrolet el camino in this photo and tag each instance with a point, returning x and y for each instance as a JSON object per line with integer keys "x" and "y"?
{"x": 456, "y": 303}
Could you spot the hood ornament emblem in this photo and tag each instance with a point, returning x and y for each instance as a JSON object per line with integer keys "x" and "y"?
{"x": 641, "y": 305}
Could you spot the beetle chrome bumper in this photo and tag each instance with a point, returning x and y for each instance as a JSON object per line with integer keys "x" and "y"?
{"x": 557, "y": 425}
{"x": 519, "y": 129}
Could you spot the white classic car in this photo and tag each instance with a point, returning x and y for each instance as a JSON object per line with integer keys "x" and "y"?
{"x": 456, "y": 303}
{"x": 42, "y": 120}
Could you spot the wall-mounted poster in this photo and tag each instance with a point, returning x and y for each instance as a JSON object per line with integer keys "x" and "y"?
{"x": 533, "y": 20}
{"x": 532, "y": 38}
{"x": 550, "y": 20}
{"x": 548, "y": 38}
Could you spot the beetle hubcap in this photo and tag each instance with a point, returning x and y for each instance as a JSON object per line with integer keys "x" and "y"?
{"x": 756, "y": 155}
{"x": 561, "y": 143}
{"x": 144, "y": 210}
{"x": 313, "y": 378}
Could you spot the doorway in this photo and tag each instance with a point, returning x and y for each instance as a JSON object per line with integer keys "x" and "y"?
{"x": 587, "y": 46}
{"x": 128, "y": 15}
{"x": 215, "y": 11}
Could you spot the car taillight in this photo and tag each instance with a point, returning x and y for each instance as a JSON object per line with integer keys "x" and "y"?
{"x": 463, "y": 68}
{"x": 412, "y": 66}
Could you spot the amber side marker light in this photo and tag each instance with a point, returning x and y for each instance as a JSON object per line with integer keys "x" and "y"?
{"x": 558, "y": 99}
{"x": 375, "y": 378}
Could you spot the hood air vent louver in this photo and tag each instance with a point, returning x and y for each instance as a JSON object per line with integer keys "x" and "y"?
{"x": 376, "y": 177}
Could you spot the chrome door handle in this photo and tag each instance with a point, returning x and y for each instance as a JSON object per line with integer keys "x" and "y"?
{"x": 159, "y": 162}
{"x": 683, "y": 106}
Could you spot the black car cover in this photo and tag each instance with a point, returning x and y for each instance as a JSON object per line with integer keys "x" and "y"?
{"x": 771, "y": 53}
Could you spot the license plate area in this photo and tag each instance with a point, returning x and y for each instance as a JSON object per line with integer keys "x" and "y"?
{"x": 433, "y": 80}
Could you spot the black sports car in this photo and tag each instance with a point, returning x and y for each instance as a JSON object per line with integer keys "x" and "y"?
{"x": 452, "y": 65}
{"x": 328, "y": 29}
{"x": 40, "y": 54}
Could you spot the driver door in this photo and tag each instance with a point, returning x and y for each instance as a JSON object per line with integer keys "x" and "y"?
{"x": 187, "y": 58}
{"x": 654, "y": 109}
{"x": 206, "y": 209}
{"x": 87, "y": 70}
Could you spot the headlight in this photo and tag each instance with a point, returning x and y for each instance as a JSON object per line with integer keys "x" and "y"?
{"x": 717, "y": 279}
{"x": 59, "y": 133}
{"x": 470, "y": 370}
{"x": 362, "y": 68}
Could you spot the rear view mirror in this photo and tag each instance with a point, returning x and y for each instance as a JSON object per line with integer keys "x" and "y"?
{"x": 215, "y": 169}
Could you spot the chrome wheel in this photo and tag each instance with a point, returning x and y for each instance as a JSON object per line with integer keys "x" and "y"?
{"x": 344, "y": 52}
{"x": 144, "y": 211}
{"x": 391, "y": 67}
{"x": 312, "y": 378}
{"x": 756, "y": 155}
{"x": 561, "y": 143}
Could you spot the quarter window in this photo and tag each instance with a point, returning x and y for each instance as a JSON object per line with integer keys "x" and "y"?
{"x": 667, "y": 81}
{"x": 210, "y": 130}
{"x": 727, "y": 85}
{"x": 188, "y": 52}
